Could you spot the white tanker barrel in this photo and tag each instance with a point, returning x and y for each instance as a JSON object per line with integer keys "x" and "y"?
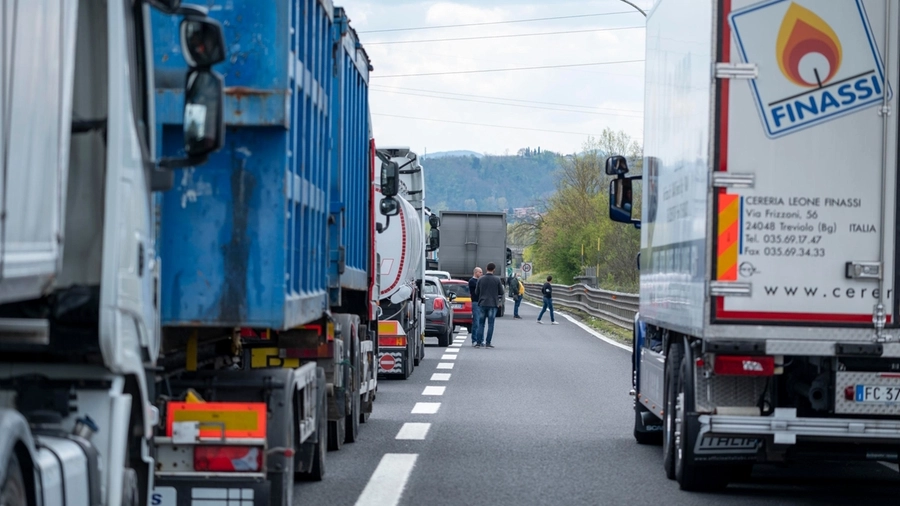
{"x": 401, "y": 247}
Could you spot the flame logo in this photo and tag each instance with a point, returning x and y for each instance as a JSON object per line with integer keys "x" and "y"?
{"x": 808, "y": 51}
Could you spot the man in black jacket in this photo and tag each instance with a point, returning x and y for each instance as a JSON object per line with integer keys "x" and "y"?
{"x": 488, "y": 292}
{"x": 547, "y": 291}
{"x": 476, "y": 329}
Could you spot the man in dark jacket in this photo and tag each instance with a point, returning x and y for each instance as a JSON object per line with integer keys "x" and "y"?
{"x": 476, "y": 311}
{"x": 488, "y": 292}
{"x": 547, "y": 291}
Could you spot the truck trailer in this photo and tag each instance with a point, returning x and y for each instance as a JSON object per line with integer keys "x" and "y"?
{"x": 474, "y": 239}
{"x": 767, "y": 329}
{"x": 79, "y": 331}
{"x": 268, "y": 288}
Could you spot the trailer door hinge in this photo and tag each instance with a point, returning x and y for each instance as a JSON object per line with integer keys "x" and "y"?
{"x": 730, "y": 289}
{"x": 732, "y": 180}
{"x": 863, "y": 270}
{"x": 736, "y": 71}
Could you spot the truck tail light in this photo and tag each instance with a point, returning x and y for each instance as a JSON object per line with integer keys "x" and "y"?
{"x": 228, "y": 459}
{"x": 736, "y": 365}
{"x": 438, "y": 304}
{"x": 392, "y": 341}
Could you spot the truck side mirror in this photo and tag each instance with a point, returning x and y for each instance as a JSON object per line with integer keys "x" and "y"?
{"x": 390, "y": 178}
{"x": 389, "y": 207}
{"x": 616, "y": 166}
{"x": 202, "y": 41}
{"x": 621, "y": 200}
{"x": 434, "y": 221}
{"x": 434, "y": 241}
{"x": 204, "y": 125}
{"x": 508, "y": 256}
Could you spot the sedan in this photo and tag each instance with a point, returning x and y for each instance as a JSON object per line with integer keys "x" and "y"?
{"x": 462, "y": 304}
{"x": 438, "y": 314}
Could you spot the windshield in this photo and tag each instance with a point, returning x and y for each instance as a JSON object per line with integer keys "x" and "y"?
{"x": 460, "y": 289}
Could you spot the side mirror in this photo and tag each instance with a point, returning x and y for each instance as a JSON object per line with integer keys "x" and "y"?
{"x": 452, "y": 296}
{"x": 389, "y": 206}
{"x": 204, "y": 102}
{"x": 616, "y": 166}
{"x": 202, "y": 41}
{"x": 434, "y": 221}
{"x": 434, "y": 241}
{"x": 390, "y": 178}
{"x": 166, "y": 6}
{"x": 508, "y": 256}
{"x": 621, "y": 200}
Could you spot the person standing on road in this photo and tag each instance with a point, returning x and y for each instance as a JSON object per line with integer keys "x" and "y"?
{"x": 489, "y": 292}
{"x": 517, "y": 291}
{"x": 547, "y": 291}
{"x": 476, "y": 311}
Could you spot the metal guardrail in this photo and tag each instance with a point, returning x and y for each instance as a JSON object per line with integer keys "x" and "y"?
{"x": 614, "y": 307}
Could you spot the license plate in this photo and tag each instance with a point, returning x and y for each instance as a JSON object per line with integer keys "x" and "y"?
{"x": 877, "y": 393}
{"x": 457, "y": 306}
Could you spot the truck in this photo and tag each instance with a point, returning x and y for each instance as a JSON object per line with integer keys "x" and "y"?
{"x": 402, "y": 248}
{"x": 767, "y": 329}
{"x": 268, "y": 275}
{"x": 79, "y": 330}
{"x": 473, "y": 239}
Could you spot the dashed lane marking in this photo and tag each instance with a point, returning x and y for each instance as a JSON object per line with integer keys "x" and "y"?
{"x": 413, "y": 431}
{"x": 434, "y": 391}
{"x": 451, "y": 350}
{"x": 386, "y": 485}
{"x": 445, "y": 365}
{"x": 449, "y": 356}
{"x": 426, "y": 408}
{"x": 440, "y": 376}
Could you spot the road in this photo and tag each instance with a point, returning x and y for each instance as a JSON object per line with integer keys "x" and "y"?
{"x": 544, "y": 418}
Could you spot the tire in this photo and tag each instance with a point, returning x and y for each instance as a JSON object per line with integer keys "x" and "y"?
{"x": 445, "y": 338}
{"x": 673, "y": 366}
{"x": 317, "y": 469}
{"x": 12, "y": 490}
{"x": 689, "y": 475}
{"x": 352, "y": 418}
{"x": 337, "y": 432}
{"x": 641, "y": 434}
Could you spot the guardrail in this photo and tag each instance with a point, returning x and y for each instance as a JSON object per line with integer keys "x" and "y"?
{"x": 614, "y": 307}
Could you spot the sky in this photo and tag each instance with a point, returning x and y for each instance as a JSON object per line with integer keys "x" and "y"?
{"x": 499, "y": 113}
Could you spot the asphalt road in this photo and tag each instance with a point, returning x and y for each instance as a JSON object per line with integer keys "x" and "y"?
{"x": 544, "y": 418}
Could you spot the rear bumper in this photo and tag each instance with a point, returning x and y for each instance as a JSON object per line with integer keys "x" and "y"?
{"x": 785, "y": 428}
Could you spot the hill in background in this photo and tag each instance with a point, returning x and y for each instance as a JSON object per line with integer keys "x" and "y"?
{"x": 490, "y": 183}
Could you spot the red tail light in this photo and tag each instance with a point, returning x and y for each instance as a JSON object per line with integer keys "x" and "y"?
{"x": 228, "y": 459}
{"x": 438, "y": 304}
{"x": 467, "y": 306}
{"x": 728, "y": 365}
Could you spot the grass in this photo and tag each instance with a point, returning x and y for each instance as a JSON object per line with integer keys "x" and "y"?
{"x": 609, "y": 330}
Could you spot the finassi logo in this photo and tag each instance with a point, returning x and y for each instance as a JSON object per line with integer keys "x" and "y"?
{"x": 813, "y": 66}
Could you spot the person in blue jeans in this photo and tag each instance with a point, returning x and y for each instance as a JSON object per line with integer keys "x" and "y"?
{"x": 547, "y": 291}
{"x": 489, "y": 292}
{"x": 476, "y": 309}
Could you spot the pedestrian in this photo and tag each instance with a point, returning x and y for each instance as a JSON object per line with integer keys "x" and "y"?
{"x": 489, "y": 292}
{"x": 476, "y": 311}
{"x": 547, "y": 291}
{"x": 518, "y": 292}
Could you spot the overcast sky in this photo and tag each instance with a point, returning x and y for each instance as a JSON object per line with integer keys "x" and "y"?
{"x": 577, "y": 101}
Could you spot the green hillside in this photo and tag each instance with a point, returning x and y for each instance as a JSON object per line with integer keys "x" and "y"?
{"x": 490, "y": 183}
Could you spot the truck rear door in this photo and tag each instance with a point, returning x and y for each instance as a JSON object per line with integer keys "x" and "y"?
{"x": 799, "y": 228}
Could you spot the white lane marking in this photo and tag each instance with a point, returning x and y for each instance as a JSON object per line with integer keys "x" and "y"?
{"x": 449, "y": 357}
{"x": 440, "y": 376}
{"x": 892, "y": 467}
{"x": 589, "y": 330}
{"x": 454, "y": 350}
{"x": 434, "y": 391}
{"x": 459, "y": 340}
{"x": 411, "y": 430}
{"x": 386, "y": 485}
{"x": 455, "y": 346}
{"x": 445, "y": 365}
{"x": 426, "y": 408}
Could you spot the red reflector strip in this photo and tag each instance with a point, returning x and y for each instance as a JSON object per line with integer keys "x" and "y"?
{"x": 392, "y": 341}
{"x": 728, "y": 365}
{"x": 889, "y": 375}
{"x": 324, "y": 351}
{"x": 228, "y": 459}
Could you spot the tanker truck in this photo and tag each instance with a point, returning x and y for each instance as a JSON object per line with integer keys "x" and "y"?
{"x": 401, "y": 245}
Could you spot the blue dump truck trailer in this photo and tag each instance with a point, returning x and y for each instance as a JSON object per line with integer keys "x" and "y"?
{"x": 268, "y": 299}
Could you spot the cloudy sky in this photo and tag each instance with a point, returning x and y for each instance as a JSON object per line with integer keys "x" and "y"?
{"x": 496, "y": 112}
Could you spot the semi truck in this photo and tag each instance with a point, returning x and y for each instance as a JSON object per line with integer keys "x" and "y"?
{"x": 79, "y": 331}
{"x": 401, "y": 247}
{"x": 473, "y": 239}
{"x": 268, "y": 286}
{"x": 767, "y": 329}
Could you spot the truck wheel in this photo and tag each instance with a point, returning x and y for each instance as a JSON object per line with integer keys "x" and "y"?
{"x": 673, "y": 364}
{"x": 641, "y": 434}
{"x": 337, "y": 430}
{"x": 352, "y": 418}
{"x": 689, "y": 475}
{"x": 317, "y": 468}
{"x": 12, "y": 491}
